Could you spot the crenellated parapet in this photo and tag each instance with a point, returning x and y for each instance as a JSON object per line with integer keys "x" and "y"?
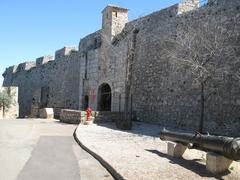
{"x": 188, "y": 5}
{"x": 8, "y": 74}
{"x": 10, "y": 70}
{"x": 67, "y": 50}
{"x": 26, "y": 66}
{"x": 44, "y": 60}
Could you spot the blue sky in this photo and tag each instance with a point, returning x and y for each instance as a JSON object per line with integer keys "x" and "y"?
{"x": 33, "y": 28}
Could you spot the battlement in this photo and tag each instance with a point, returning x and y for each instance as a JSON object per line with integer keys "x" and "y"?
{"x": 26, "y": 66}
{"x": 43, "y": 60}
{"x": 10, "y": 70}
{"x": 188, "y": 5}
{"x": 65, "y": 51}
{"x": 115, "y": 8}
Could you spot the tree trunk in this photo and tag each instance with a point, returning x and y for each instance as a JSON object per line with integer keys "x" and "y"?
{"x": 131, "y": 108}
{"x": 3, "y": 110}
{"x": 119, "y": 103}
{"x": 126, "y": 107}
{"x": 200, "y": 126}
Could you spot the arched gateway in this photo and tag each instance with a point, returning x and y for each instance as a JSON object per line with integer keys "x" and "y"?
{"x": 104, "y": 97}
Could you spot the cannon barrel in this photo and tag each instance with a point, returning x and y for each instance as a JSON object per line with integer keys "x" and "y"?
{"x": 226, "y": 146}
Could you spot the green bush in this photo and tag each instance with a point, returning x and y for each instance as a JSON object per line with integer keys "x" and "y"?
{"x": 5, "y": 101}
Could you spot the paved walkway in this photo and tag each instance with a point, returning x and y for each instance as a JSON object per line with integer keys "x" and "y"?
{"x": 44, "y": 150}
{"x": 140, "y": 154}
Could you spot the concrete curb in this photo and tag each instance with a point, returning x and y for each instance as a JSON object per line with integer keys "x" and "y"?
{"x": 104, "y": 163}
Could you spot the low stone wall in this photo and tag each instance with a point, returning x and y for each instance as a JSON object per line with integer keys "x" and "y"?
{"x": 105, "y": 116}
{"x": 71, "y": 116}
{"x": 13, "y": 110}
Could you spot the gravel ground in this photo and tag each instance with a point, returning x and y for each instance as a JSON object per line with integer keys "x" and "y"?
{"x": 140, "y": 154}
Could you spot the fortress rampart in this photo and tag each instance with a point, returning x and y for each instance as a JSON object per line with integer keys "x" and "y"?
{"x": 126, "y": 61}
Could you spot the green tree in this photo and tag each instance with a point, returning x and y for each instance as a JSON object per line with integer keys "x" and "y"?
{"x": 5, "y": 101}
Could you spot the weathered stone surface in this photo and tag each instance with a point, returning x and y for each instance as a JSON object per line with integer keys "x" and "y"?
{"x": 43, "y": 60}
{"x": 106, "y": 116}
{"x": 61, "y": 77}
{"x": 65, "y": 51}
{"x": 161, "y": 91}
{"x": 166, "y": 94}
{"x": 46, "y": 113}
{"x": 217, "y": 163}
{"x": 175, "y": 149}
{"x": 71, "y": 116}
{"x": 188, "y": 5}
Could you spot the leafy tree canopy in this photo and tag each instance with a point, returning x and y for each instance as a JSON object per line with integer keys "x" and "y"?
{"x": 5, "y": 99}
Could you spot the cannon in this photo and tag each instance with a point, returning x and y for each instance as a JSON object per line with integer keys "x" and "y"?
{"x": 226, "y": 146}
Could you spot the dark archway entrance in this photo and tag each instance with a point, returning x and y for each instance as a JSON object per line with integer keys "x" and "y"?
{"x": 104, "y": 97}
{"x": 44, "y": 97}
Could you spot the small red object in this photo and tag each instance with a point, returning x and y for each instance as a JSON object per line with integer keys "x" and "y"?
{"x": 89, "y": 112}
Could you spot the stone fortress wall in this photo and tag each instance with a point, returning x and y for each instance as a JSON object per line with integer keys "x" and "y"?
{"x": 169, "y": 95}
{"x": 52, "y": 77}
{"x": 130, "y": 57}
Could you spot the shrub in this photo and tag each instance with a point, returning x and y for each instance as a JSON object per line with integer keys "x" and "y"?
{"x": 5, "y": 101}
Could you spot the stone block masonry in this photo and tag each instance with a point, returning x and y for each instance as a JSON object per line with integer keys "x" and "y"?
{"x": 43, "y": 60}
{"x": 115, "y": 63}
{"x": 65, "y": 51}
{"x": 26, "y": 66}
{"x": 217, "y": 163}
{"x": 164, "y": 88}
{"x": 46, "y": 113}
{"x": 188, "y": 5}
{"x": 71, "y": 116}
{"x": 46, "y": 85}
{"x": 175, "y": 149}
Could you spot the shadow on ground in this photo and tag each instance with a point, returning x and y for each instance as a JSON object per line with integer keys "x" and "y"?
{"x": 142, "y": 128}
{"x": 52, "y": 158}
{"x": 192, "y": 165}
{"x": 138, "y": 128}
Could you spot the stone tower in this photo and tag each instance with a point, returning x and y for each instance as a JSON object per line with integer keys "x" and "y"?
{"x": 188, "y": 5}
{"x": 114, "y": 19}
